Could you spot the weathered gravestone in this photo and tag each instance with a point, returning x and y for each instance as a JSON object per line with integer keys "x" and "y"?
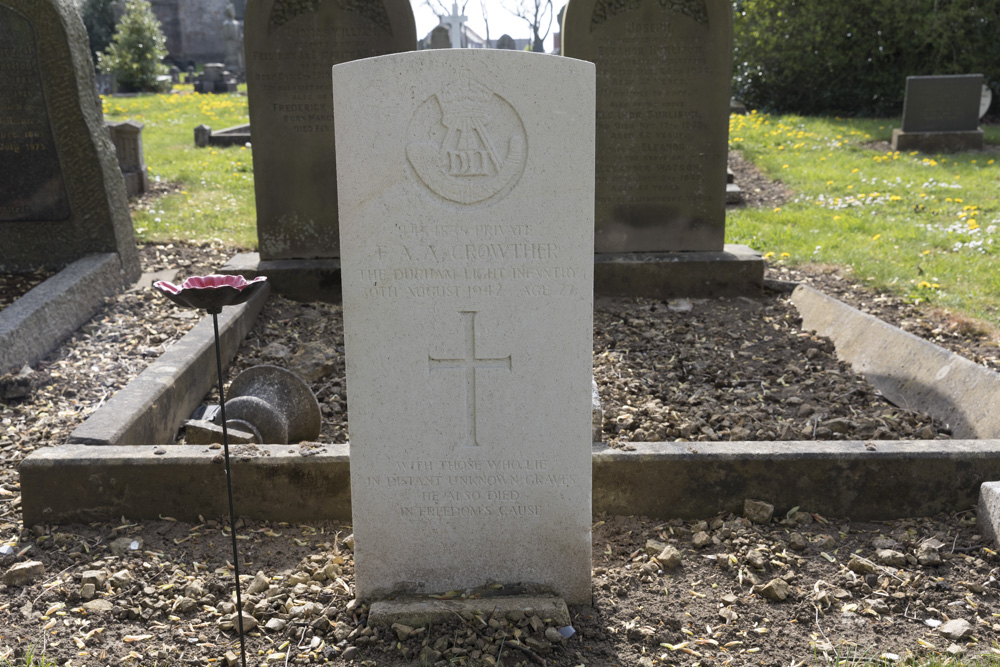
{"x": 466, "y": 190}
{"x": 290, "y": 46}
{"x": 941, "y": 113}
{"x": 62, "y": 195}
{"x": 440, "y": 37}
{"x": 663, "y": 82}
{"x": 663, "y": 72}
{"x": 127, "y": 138}
{"x": 506, "y": 42}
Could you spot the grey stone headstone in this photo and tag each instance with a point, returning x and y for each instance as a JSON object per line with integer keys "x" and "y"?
{"x": 663, "y": 94}
{"x": 947, "y": 103}
{"x": 202, "y": 134}
{"x": 985, "y": 101}
{"x": 63, "y": 195}
{"x": 127, "y": 138}
{"x": 440, "y": 38}
{"x": 290, "y": 48}
{"x": 506, "y": 42}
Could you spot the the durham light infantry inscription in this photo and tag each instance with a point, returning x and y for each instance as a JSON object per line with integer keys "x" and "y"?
{"x": 466, "y": 188}
{"x": 663, "y": 72}
{"x": 290, "y": 46}
{"x": 33, "y": 187}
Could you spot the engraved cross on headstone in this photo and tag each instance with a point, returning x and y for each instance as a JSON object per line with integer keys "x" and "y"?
{"x": 470, "y": 363}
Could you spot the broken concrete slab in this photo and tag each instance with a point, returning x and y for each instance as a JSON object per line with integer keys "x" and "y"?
{"x": 48, "y": 314}
{"x": 910, "y": 372}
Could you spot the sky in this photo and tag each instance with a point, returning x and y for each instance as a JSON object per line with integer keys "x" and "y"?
{"x": 501, "y": 20}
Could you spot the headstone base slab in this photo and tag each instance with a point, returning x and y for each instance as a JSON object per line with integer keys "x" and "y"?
{"x": 237, "y": 135}
{"x": 296, "y": 279}
{"x": 937, "y": 142}
{"x": 735, "y": 271}
{"x": 420, "y": 612}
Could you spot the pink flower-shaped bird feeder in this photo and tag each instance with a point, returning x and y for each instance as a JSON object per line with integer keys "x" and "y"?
{"x": 212, "y": 292}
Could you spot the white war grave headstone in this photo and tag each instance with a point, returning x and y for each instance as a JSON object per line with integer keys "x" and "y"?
{"x": 466, "y": 181}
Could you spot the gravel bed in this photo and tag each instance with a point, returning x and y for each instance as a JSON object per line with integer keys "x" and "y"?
{"x": 695, "y": 370}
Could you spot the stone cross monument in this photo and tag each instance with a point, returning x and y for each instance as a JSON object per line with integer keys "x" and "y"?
{"x": 454, "y": 23}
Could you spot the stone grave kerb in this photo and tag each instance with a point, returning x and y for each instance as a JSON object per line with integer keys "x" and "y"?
{"x": 95, "y": 217}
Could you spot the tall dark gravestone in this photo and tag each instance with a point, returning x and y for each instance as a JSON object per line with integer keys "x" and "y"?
{"x": 663, "y": 91}
{"x": 291, "y": 47}
{"x": 62, "y": 195}
{"x": 663, "y": 75}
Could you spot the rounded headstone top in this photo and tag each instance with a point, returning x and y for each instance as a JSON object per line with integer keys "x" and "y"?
{"x": 985, "y": 101}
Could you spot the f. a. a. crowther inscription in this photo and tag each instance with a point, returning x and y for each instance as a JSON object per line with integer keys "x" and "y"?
{"x": 33, "y": 187}
{"x": 468, "y": 317}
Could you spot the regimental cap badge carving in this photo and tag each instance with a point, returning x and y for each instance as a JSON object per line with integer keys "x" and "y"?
{"x": 467, "y": 144}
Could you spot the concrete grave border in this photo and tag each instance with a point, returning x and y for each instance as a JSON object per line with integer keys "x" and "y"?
{"x": 46, "y": 315}
{"x": 134, "y": 476}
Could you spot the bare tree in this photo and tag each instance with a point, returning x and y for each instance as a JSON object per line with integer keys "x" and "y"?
{"x": 535, "y": 13}
{"x": 486, "y": 20}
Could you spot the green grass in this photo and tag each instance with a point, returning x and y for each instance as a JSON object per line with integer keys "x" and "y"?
{"x": 216, "y": 200}
{"x": 926, "y": 227}
{"x": 923, "y": 226}
{"x": 30, "y": 659}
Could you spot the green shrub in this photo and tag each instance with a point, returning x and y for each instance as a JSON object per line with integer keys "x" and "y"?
{"x": 134, "y": 55}
{"x": 99, "y": 18}
{"x": 853, "y": 56}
